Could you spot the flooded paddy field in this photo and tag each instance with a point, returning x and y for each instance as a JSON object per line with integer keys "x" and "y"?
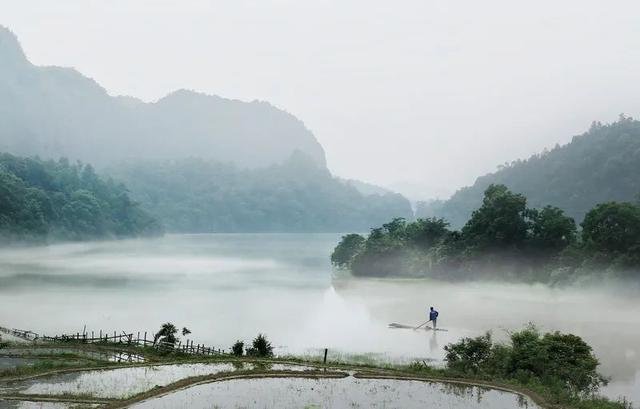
{"x": 116, "y": 383}
{"x": 11, "y": 404}
{"x": 349, "y": 392}
{"x": 36, "y": 351}
{"x": 9, "y": 362}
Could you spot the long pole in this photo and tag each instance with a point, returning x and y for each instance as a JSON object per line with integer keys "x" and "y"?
{"x": 422, "y": 324}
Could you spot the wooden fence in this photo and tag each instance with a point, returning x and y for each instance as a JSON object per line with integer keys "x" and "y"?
{"x": 140, "y": 339}
{"x": 20, "y": 333}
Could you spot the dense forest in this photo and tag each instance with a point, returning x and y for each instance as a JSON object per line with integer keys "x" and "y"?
{"x": 502, "y": 239}
{"x": 59, "y": 200}
{"x": 199, "y": 163}
{"x": 198, "y": 196}
{"x": 599, "y": 166}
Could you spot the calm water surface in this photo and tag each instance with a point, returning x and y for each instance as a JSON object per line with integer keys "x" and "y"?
{"x": 229, "y": 287}
{"x": 347, "y": 392}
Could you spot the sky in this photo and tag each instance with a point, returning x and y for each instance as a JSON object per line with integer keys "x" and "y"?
{"x": 419, "y": 95}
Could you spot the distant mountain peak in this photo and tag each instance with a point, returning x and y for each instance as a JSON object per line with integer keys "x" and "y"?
{"x": 54, "y": 111}
{"x": 10, "y": 48}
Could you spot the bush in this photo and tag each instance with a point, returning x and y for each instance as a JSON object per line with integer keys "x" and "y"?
{"x": 562, "y": 363}
{"x": 237, "y": 349}
{"x": 261, "y": 347}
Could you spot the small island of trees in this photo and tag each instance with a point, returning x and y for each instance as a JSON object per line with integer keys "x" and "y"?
{"x": 502, "y": 239}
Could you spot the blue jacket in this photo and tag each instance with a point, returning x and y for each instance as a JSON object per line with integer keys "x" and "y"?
{"x": 433, "y": 314}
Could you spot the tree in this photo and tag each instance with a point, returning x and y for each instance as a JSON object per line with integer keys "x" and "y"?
{"x": 167, "y": 333}
{"x": 571, "y": 359}
{"x": 612, "y": 227}
{"x": 500, "y": 221}
{"x": 42, "y": 200}
{"x": 551, "y": 229}
{"x": 349, "y": 246}
{"x": 83, "y": 214}
{"x": 425, "y": 233}
{"x": 396, "y": 228}
{"x": 237, "y": 348}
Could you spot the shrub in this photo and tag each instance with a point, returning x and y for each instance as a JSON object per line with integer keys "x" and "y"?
{"x": 238, "y": 348}
{"x": 469, "y": 355}
{"x": 261, "y": 347}
{"x": 562, "y": 363}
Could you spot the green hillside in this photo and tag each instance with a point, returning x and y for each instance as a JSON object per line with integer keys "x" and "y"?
{"x": 199, "y": 196}
{"x": 49, "y": 200}
{"x": 601, "y": 165}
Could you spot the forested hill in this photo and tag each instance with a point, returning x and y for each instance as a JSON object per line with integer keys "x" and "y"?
{"x": 601, "y": 165}
{"x": 57, "y": 112}
{"x": 49, "y": 200}
{"x": 198, "y": 196}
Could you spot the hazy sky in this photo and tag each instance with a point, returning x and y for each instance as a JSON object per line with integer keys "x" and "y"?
{"x": 427, "y": 93}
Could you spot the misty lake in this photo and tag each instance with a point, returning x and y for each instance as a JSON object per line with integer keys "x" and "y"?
{"x": 225, "y": 287}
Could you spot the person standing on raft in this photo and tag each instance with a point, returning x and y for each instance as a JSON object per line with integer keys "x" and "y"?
{"x": 433, "y": 316}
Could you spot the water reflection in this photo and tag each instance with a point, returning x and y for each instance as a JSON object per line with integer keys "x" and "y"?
{"x": 336, "y": 393}
{"x": 112, "y": 383}
{"x": 11, "y": 404}
{"x": 434, "y": 347}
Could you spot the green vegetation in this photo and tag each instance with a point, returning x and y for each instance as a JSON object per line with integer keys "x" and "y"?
{"x": 555, "y": 369}
{"x": 42, "y": 200}
{"x": 261, "y": 347}
{"x": 237, "y": 349}
{"x": 601, "y": 165}
{"x": 166, "y": 334}
{"x": 503, "y": 238}
{"x": 197, "y": 196}
{"x": 560, "y": 367}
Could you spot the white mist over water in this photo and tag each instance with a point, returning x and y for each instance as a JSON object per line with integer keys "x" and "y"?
{"x": 226, "y": 287}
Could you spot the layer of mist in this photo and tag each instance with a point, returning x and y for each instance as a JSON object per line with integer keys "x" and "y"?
{"x": 228, "y": 287}
{"x": 57, "y": 112}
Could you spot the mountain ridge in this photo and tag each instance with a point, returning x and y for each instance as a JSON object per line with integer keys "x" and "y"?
{"x": 56, "y": 111}
{"x": 600, "y": 165}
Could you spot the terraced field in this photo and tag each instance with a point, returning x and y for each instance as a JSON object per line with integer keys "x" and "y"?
{"x": 87, "y": 376}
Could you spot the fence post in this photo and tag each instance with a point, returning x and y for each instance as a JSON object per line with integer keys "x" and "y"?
{"x": 325, "y": 355}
